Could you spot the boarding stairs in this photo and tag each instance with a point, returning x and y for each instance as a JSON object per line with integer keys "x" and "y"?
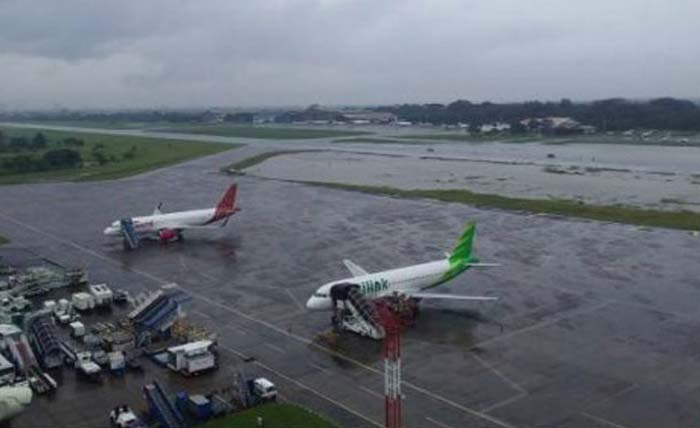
{"x": 155, "y": 314}
{"x": 355, "y": 313}
{"x": 22, "y": 353}
{"x": 131, "y": 240}
{"x": 162, "y": 408}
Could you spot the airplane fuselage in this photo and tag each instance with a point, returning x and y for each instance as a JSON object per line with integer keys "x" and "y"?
{"x": 376, "y": 285}
{"x": 153, "y": 224}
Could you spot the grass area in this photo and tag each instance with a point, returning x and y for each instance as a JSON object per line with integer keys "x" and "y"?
{"x": 619, "y": 140}
{"x": 148, "y": 154}
{"x": 104, "y": 124}
{"x": 254, "y": 160}
{"x": 274, "y": 416}
{"x": 472, "y": 138}
{"x": 685, "y": 220}
{"x": 264, "y": 132}
{"x": 369, "y": 140}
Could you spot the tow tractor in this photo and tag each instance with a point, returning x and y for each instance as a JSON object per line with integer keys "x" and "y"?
{"x": 263, "y": 389}
{"x": 87, "y": 367}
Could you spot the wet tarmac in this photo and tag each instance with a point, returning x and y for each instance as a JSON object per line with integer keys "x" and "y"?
{"x": 597, "y": 325}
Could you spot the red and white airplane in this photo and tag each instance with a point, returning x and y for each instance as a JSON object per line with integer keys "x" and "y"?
{"x": 166, "y": 227}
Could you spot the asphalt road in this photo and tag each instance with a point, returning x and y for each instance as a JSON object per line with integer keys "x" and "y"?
{"x": 596, "y": 326}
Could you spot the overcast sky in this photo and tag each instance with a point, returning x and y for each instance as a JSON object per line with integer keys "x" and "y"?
{"x": 143, "y": 53}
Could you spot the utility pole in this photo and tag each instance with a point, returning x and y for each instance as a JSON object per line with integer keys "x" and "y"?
{"x": 392, "y": 369}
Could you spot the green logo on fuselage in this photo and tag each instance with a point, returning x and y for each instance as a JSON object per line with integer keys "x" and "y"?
{"x": 374, "y": 286}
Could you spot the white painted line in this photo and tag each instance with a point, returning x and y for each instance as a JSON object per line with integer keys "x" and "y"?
{"x": 236, "y": 329}
{"x": 602, "y": 421}
{"x": 275, "y": 348}
{"x": 322, "y": 369}
{"x": 498, "y": 373}
{"x": 370, "y": 392}
{"x": 202, "y": 314}
{"x": 207, "y": 276}
{"x": 553, "y": 320}
{"x": 294, "y": 299}
{"x": 269, "y": 325}
{"x": 438, "y": 423}
{"x": 504, "y": 402}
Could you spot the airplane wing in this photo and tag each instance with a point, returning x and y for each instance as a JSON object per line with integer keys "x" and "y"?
{"x": 483, "y": 264}
{"x": 354, "y": 269}
{"x": 449, "y": 296}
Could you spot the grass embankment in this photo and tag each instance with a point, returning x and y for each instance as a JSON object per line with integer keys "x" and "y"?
{"x": 148, "y": 153}
{"x": 370, "y": 140}
{"x": 254, "y": 160}
{"x": 621, "y": 140}
{"x": 274, "y": 416}
{"x": 99, "y": 124}
{"x": 471, "y": 138}
{"x": 685, "y": 220}
{"x": 263, "y": 132}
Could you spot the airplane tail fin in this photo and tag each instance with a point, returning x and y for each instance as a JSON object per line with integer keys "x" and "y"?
{"x": 227, "y": 204}
{"x": 462, "y": 253}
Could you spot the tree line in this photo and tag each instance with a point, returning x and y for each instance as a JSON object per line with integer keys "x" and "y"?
{"x": 26, "y": 159}
{"x": 614, "y": 114}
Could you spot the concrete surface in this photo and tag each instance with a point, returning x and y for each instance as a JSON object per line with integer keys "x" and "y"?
{"x": 597, "y": 325}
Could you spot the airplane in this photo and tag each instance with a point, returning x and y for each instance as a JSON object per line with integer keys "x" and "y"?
{"x": 169, "y": 226}
{"x": 411, "y": 281}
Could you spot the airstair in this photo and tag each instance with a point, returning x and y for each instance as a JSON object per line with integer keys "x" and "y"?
{"x": 355, "y": 313}
{"x": 21, "y": 353}
{"x": 131, "y": 240}
{"x": 162, "y": 408}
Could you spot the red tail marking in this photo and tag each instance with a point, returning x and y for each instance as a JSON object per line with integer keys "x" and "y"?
{"x": 227, "y": 204}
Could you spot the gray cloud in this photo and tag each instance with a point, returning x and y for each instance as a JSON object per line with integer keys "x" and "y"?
{"x": 83, "y": 53}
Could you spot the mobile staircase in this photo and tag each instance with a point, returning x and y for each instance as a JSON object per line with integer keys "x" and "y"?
{"x": 156, "y": 313}
{"x": 131, "y": 240}
{"x": 355, "y": 313}
{"x": 162, "y": 408}
{"x": 21, "y": 353}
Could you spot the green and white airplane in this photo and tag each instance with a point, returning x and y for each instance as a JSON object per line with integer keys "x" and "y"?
{"x": 410, "y": 281}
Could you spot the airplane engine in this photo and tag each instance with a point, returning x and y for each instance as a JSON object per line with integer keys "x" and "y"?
{"x": 166, "y": 235}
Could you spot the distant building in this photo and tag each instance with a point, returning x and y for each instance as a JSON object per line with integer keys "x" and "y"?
{"x": 239, "y": 118}
{"x": 494, "y": 127}
{"x": 313, "y": 114}
{"x": 213, "y": 116}
{"x": 556, "y": 125}
{"x": 364, "y": 117}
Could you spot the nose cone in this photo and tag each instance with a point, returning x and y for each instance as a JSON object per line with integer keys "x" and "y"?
{"x": 312, "y": 303}
{"x": 111, "y": 231}
{"x": 318, "y": 303}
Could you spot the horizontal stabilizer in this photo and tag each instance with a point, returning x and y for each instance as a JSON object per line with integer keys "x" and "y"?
{"x": 449, "y": 296}
{"x": 354, "y": 269}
